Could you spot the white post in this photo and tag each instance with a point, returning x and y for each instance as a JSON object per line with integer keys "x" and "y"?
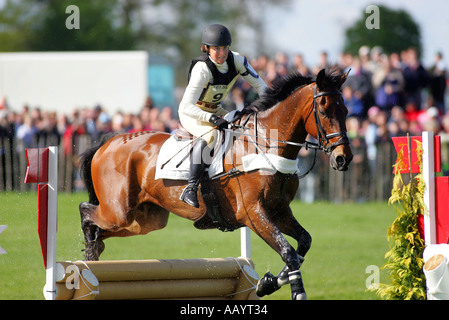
{"x": 2, "y": 228}
{"x": 50, "y": 286}
{"x": 245, "y": 243}
{"x": 428, "y": 164}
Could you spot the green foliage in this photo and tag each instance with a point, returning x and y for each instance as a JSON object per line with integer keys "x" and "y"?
{"x": 405, "y": 260}
{"x": 398, "y": 31}
{"x": 41, "y": 26}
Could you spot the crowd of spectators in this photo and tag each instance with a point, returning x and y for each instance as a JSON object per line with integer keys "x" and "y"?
{"x": 387, "y": 95}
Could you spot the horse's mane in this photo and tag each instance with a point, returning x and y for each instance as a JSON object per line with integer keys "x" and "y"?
{"x": 283, "y": 87}
{"x": 280, "y": 89}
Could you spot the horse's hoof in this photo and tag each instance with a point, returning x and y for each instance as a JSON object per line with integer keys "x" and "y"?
{"x": 299, "y": 296}
{"x": 267, "y": 285}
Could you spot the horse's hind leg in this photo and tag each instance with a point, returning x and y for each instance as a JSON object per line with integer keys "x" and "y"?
{"x": 141, "y": 220}
{"x": 93, "y": 243}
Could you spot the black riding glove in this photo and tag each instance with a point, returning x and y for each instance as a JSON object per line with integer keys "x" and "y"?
{"x": 219, "y": 122}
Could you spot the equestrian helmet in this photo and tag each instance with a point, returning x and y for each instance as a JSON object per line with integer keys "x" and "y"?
{"x": 216, "y": 35}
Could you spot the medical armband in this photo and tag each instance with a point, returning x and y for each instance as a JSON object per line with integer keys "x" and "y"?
{"x": 249, "y": 69}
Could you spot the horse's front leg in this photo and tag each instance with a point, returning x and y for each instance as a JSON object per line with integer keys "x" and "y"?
{"x": 287, "y": 224}
{"x": 264, "y": 227}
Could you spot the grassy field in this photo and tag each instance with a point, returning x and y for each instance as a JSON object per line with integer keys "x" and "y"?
{"x": 347, "y": 238}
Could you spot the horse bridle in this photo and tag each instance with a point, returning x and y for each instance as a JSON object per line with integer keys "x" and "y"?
{"x": 322, "y": 137}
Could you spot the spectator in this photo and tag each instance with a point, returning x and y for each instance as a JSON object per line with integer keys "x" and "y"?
{"x": 127, "y": 122}
{"x": 438, "y": 82}
{"x": 117, "y": 122}
{"x": 282, "y": 64}
{"x": 374, "y": 65}
{"x": 382, "y": 134}
{"x": 323, "y": 63}
{"x": 137, "y": 124}
{"x": 391, "y": 84}
{"x": 432, "y": 113}
{"x": 237, "y": 97}
{"x": 411, "y": 111}
{"x": 271, "y": 73}
{"x": 397, "y": 123}
{"x": 444, "y": 133}
{"x": 415, "y": 76}
{"x": 300, "y": 66}
{"x": 364, "y": 57}
{"x": 27, "y": 131}
{"x": 353, "y": 103}
{"x": 166, "y": 117}
{"x": 370, "y": 139}
{"x": 360, "y": 82}
{"x": 103, "y": 124}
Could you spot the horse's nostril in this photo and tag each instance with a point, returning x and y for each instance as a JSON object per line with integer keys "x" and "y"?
{"x": 340, "y": 161}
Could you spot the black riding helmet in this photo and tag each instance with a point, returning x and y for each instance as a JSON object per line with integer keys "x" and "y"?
{"x": 216, "y": 35}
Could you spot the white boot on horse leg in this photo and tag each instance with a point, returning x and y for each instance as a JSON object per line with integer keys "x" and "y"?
{"x": 297, "y": 286}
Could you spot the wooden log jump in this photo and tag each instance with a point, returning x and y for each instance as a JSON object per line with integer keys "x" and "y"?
{"x": 218, "y": 278}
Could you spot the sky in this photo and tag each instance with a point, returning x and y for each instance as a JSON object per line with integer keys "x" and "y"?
{"x": 289, "y": 28}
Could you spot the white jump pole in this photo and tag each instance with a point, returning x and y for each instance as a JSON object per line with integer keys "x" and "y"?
{"x": 245, "y": 243}
{"x": 2, "y": 228}
{"x": 50, "y": 285}
{"x": 428, "y": 164}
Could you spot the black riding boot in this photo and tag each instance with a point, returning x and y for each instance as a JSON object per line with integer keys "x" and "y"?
{"x": 197, "y": 165}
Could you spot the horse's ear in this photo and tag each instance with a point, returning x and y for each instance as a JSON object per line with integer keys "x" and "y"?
{"x": 321, "y": 79}
{"x": 343, "y": 79}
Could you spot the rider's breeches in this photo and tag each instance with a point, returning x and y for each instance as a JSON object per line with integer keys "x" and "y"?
{"x": 200, "y": 128}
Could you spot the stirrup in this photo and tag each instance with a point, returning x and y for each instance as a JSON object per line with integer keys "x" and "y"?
{"x": 193, "y": 188}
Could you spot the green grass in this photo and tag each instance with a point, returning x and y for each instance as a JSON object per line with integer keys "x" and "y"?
{"x": 347, "y": 238}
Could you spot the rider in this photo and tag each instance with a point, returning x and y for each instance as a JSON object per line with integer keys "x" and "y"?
{"x": 211, "y": 77}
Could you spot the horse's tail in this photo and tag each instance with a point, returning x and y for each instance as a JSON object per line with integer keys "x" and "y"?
{"x": 85, "y": 168}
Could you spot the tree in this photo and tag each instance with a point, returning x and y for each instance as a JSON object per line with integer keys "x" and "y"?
{"x": 397, "y": 31}
{"x": 41, "y": 26}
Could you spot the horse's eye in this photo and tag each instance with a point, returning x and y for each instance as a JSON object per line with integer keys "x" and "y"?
{"x": 323, "y": 101}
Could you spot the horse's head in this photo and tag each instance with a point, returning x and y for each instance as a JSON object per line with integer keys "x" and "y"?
{"x": 328, "y": 123}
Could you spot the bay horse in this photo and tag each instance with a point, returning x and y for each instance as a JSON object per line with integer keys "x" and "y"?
{"x": 126, "y": 200}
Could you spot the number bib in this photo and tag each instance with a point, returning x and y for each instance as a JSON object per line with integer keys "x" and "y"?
{"x": 216, "y": 93}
